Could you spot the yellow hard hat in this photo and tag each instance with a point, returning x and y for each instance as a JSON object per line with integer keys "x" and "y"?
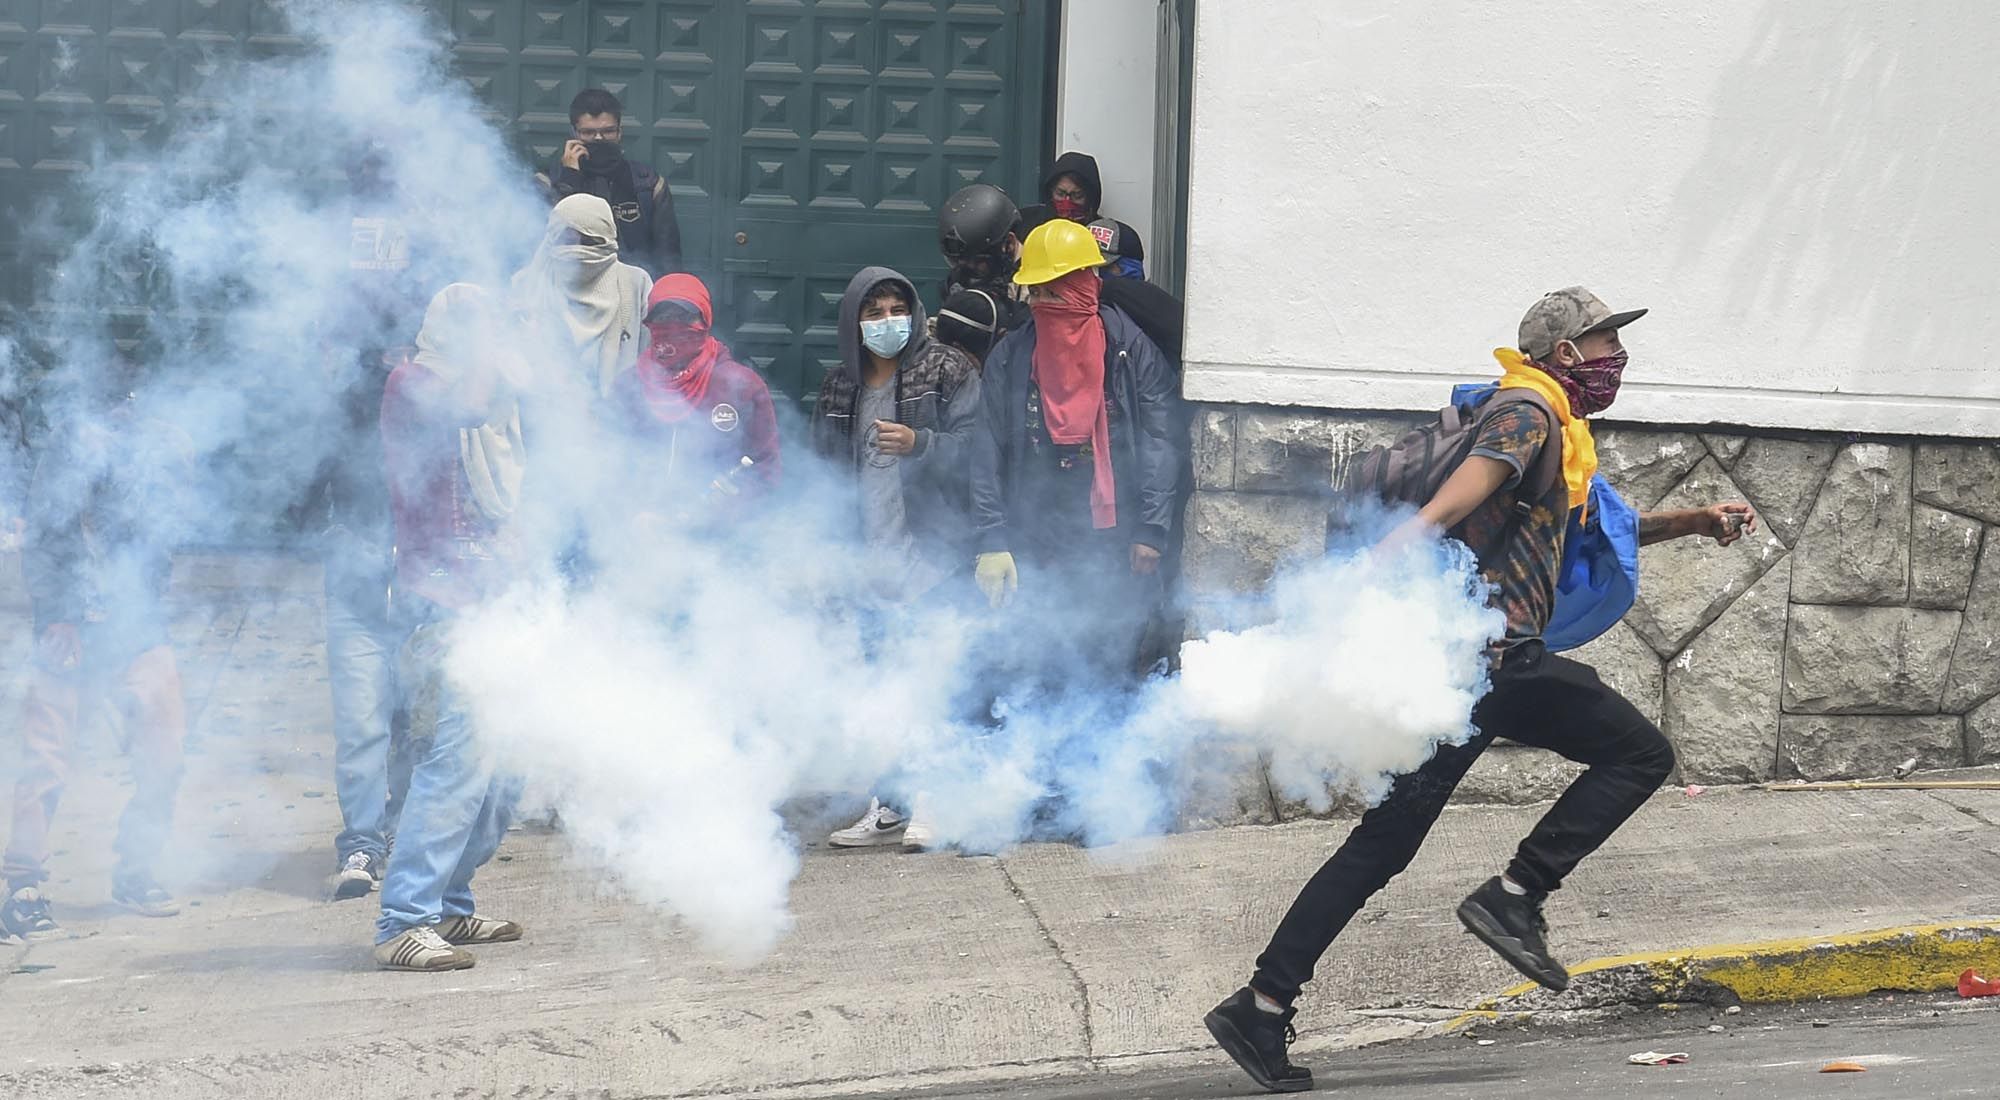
{"x": 1056, "y": 248}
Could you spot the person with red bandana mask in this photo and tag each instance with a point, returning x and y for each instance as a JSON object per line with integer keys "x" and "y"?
{"x": 699, "y": 409}
{"x": 1073, "y": 190}
{"x": 1075, "y": 475}
{"x": 1510, "y": 501}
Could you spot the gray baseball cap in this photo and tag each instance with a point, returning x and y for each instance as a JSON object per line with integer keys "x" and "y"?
{"x": 1568, "y": 314}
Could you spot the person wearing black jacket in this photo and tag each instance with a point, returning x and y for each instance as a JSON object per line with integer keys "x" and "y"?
{"x": 593, "y": 163}
{"x": 1074, "y": 190}
{"x": 1160, "y": 315}
{"x": 1154, "y": 309}
{"x": 1075, "y": 475}
{"x": 979, "y": 235}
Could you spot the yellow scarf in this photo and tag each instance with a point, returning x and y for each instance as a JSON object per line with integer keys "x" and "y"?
{"x": 1579, "y": 449}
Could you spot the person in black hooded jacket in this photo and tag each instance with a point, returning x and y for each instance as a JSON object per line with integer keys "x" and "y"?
{"x": 1074, "y": 189}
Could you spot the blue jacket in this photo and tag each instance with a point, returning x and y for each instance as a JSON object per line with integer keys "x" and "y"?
{"x": 1142, "y": 389}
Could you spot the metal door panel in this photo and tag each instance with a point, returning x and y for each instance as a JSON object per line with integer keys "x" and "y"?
{"x": 821, "y": 135}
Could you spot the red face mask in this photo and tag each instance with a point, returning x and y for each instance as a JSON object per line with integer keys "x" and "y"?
{"x": 1070, "y": 209}
{"x": 1593, "y": 385}
{"x": 676, "y": 343}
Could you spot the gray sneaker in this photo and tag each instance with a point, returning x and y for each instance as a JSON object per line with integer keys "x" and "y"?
{"x": 421, "y": 950}
{"x": 141, "y": 895}
{"x": 477, "y": 929}
{"x": 357, "y": 876}
{"x": 25, "y": 913}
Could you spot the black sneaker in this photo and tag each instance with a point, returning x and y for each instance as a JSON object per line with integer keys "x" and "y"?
{"x": 1257, "y": 1040}
{"x": 25, "y": 913}
{"x": 142, "y": 895}
{"x": 357, "y": 875}
{"x": 1512, "y": 925}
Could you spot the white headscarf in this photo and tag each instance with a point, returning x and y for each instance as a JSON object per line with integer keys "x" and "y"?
{"x": 582, "y": 294}
{"x": 463, "y": 326}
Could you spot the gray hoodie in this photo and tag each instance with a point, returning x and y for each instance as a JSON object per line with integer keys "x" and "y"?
{"x": 937, "y": 395}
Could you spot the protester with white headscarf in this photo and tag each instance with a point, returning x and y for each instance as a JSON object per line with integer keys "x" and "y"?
{"x": 580, "y": 296}
{"x": 456, "y": 462}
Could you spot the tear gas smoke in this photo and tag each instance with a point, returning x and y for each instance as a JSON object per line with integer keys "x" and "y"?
{"x": 1371, "y": 664}
{"x": 194, "y": 317}
{"x": 701, "y": 676}
{"x": 672, "y": 718}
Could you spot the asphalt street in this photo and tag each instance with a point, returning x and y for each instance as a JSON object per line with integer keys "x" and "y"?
{"x": 1911, "y": 1047}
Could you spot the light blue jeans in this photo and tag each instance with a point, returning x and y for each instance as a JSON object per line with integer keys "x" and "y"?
{"x": 457, "y": 810}
{"x": 360, "y": 664}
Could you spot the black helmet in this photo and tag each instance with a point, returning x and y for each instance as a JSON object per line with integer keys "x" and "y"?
{"x": 976, "y": 219}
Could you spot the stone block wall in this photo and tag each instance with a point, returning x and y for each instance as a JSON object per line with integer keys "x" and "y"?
{"x": 1859, "y": 627}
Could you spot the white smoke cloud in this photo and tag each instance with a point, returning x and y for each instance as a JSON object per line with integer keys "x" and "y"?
{"x": 673, "y": 719}
{"x": 1371, "y": 664}
{"x": 207, "y": 277}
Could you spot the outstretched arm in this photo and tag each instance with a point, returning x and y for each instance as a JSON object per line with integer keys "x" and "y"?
{"x": 1725, "y": 523}
{"x": 1477, "y": 478}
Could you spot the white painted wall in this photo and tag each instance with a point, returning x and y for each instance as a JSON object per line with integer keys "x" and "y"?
{"x": 1105, "y": 99}
{"x": 1807, "y": 195}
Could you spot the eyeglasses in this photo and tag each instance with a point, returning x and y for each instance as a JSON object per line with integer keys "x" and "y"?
{"x": 1073, "y": 195}
{"x": 600, "y": 135}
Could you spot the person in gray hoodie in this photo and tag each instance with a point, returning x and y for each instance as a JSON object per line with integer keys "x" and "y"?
{"x": 899, "y": 413}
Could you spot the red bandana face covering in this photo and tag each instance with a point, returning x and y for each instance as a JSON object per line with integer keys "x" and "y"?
{"x": 676, "y": 367}
{"x": 1069, "y": 209}
{"x": 677, "y": 343}
{"x": 1593, "y": 385}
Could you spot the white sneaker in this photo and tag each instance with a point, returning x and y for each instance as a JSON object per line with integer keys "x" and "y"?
{"x": 421, "y": 949}
{"x": 880, "y": 825}
{"x": 920, "y": 833}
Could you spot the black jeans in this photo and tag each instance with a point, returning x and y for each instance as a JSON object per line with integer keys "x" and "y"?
{"x": 1538, "y": 699}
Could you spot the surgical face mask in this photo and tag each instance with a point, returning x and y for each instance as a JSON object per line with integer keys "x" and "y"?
{"x": 886, "y": 337}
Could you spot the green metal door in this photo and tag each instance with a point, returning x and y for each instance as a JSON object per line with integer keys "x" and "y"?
{"x": 803, "y": 140}
{"x": 77, "y": 76}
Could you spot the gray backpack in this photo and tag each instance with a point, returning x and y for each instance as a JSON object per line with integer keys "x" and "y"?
{"x": 1412, "y": 469}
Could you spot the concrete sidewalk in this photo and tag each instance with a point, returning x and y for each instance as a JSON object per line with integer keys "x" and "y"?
{"x": 901, "y": 968}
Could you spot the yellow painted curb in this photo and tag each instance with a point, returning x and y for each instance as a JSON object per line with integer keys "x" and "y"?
{"x": 1914, "y": 958}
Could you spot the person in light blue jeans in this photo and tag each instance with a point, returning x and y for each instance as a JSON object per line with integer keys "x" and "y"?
{"x": 457, "y": 812}
{"x": 456, "y": 462}
{"x": 370, "y": 768}
{"x": 357, "y": 551}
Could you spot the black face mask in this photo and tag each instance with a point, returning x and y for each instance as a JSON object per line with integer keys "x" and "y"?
{"x": 977, "y": 346}
{"x": 602, "y": 157}
{"x": 984, "y": 268}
